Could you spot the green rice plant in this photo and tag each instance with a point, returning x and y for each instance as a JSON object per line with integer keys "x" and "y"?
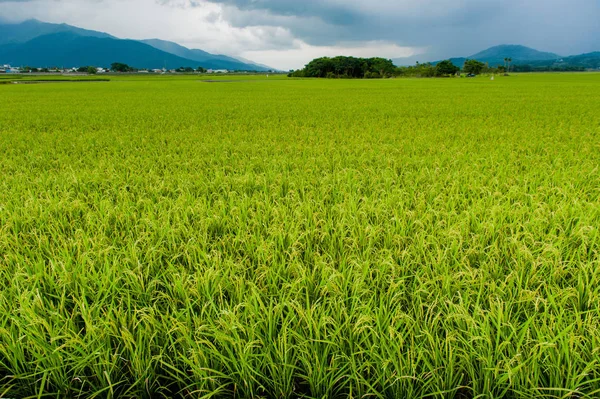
{"x": 279, "y": 238}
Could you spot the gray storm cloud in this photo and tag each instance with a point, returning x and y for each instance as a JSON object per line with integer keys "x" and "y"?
{"x": 444, "y": 27}
{"x": 447, "y": 27}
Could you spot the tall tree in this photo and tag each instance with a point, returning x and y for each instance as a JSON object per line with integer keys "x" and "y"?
{"x": 446, "y": 68}
{"x": 473, "y": 67}
{"x": 120, "y": 67}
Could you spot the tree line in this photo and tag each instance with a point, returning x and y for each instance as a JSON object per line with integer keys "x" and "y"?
{"x": 548, "y": 68}
{"x": 114, "y": 67}
{"x": 346, "y": 67}
{"x": 377, "y": 68}
{"x": 124, "y": 68}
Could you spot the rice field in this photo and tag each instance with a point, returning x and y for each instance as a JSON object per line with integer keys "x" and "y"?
{"x": 281, "y": 238}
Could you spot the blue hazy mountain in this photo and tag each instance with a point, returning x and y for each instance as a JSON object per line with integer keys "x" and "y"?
{"x": 43, "y": 44}
{"x": 496, "y": 55}
{"x": 216, "y": 61}
{"x": 28, "y": 30}
{"x": 517, "y": 53}
{"x": 524, "y": 56}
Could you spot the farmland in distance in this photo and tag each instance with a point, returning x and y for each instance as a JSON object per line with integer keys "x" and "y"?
{"x": 280, "y": 238}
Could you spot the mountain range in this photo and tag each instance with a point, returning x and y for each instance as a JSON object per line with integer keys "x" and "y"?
{"x": 522, "y": 56}
{"x": 41, "y": 44}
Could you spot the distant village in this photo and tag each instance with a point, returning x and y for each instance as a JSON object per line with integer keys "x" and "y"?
{"x": 6, "y": 69}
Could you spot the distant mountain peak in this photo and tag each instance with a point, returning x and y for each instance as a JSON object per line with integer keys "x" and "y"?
{"x": 22, "y": 32}
{"x": 522, "y": 55}
{"x": 516, "y": 52}
{"x": 29, "y": 21}
{"x": 510, "y": 47}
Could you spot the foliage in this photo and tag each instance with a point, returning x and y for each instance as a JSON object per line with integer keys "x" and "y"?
{"x": 87, "y": 69}
{"x": 473, "y": 67}
{"x": 420, "y": 70}
{"x": 547, "y": 68}
{"x": 120, "y": 67}
{"x": 347, "y": 67}
{"x": 402, "y": 238}
{"x": 28, "y": 69}
{"x": 446, "y": 68}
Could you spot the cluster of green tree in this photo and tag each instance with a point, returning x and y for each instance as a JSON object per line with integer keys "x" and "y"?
{"x": 347, "y": 68}
{"x": 88, "y": 69}
{"x": 549, "y": 68}
{"x": 447, "y": 68}
{"x": 120, "y": 67}
{"x": 190, "y": 70}
{"x": 370, "y": 68}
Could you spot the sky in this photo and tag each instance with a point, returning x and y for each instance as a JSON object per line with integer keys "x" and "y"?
{"x": 286, "y": 34}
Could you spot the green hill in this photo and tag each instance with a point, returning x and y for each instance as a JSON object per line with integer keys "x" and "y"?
{"x": 519, "y": 54}
{"x": 585, "y": 61}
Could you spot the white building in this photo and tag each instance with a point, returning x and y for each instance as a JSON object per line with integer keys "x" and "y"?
{"x": 217, "y": 71}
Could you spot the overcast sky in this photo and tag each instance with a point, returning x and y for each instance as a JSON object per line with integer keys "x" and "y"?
{"x": 286, "y": 34}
